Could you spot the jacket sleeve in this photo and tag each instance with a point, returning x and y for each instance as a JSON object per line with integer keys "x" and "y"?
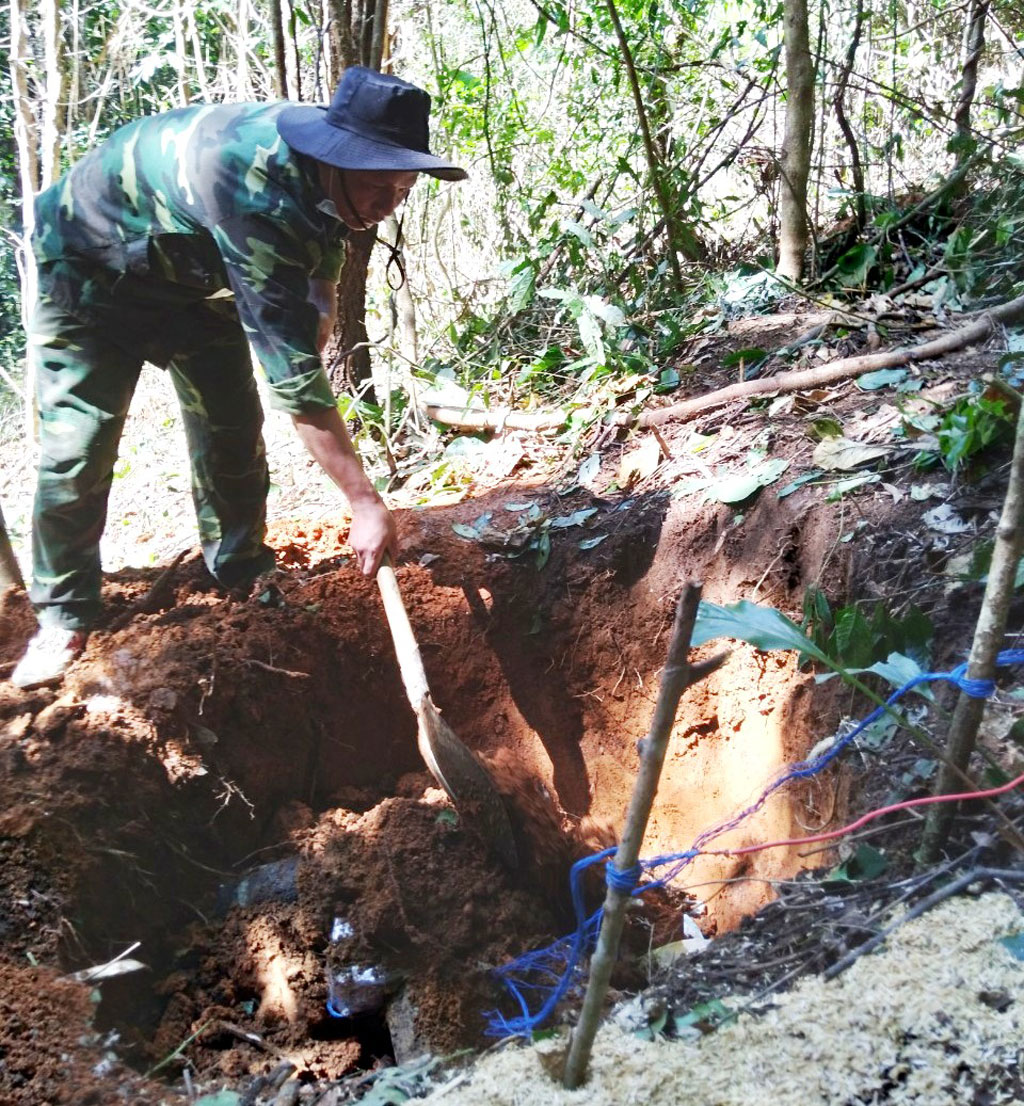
{"x": 270, "y": 267}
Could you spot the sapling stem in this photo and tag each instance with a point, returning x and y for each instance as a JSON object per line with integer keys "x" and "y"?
{"x": 988, "y": 640}
{"x": 677, "y": 676}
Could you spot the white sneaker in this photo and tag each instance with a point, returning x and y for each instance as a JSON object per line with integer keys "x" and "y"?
{"x": 48, "y": 656}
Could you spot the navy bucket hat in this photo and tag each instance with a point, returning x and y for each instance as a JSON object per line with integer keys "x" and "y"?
{"x": 375, "y": 121}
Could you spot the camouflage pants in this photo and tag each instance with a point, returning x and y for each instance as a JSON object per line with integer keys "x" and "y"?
{"x": 85, "y": 382}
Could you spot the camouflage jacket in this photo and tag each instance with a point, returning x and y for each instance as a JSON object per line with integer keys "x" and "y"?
{"x": 179, "y": 213}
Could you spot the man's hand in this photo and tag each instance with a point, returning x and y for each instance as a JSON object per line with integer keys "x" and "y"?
{"x": 373, "y": 527}
{"x": 372, "y": 535}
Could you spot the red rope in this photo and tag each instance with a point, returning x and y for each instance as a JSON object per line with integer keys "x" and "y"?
{"x": 869, "y": 817}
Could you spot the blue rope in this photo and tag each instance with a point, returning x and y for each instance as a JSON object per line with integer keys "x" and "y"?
{"x": 623, "y": 881}
{"x": 554, "y": 970}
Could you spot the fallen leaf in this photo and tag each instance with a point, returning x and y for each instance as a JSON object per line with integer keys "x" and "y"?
{"x": 639, "y": 463}
{"x": 844, "y": 455}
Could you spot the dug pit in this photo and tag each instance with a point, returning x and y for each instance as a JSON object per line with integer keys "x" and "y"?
{"x": 234, "y": 781}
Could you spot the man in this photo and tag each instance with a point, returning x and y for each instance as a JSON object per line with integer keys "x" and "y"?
{"x": 182, "y": 240}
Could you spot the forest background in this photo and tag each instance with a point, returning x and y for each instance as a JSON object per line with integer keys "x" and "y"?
{"x": 641, "y": 171}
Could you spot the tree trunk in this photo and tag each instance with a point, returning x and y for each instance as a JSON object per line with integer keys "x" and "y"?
{"x": 277, "y": 37}
{"x": 795, "y": 164}
{"x": 679, "y": 242}
{"x": 974, "y": 44}
{"x": 184, "y": 98}
{"x": 358, "y": 37}
{"x": 54, "y": 108}
{"x": 26, "y": 138}
{"x": 347, "y": 354}
{"x": 242, "y": 54}
{"x": 839, "y": 103}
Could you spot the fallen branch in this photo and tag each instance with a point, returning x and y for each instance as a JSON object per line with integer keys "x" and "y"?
{"x": 795, "y": 380}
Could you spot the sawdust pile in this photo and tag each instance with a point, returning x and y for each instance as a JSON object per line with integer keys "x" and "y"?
{"x": 937, "y": 1019}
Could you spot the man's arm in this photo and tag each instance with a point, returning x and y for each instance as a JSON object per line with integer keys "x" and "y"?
{"x": 324, "y": 435}
{"x": 373, "y": 531}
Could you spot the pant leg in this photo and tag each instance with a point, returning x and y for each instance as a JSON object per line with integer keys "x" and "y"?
{"x": 223, "y": 422}
{"x": 84, "y": 385}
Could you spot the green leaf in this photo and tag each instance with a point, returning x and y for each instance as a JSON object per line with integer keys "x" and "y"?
{"x": 465, "y": 531}
{"x": 668, "y": 380}
{"x": 851, "y": 483}
{"x": 852, "y": 637}
{"x": 762, "y": 627}
{"x": 543, "y": 550}
{"x": 736, "y": 488}
{"x": 591, "y": 543}
{"x": 1015, "y": 943}
{"x": 798, "y": 483}
{"x": 866, "y": 863}
{"x": 899, "y": 669}
{"x": 883, "y": 378}
{"x": 740, "y": 486}
{"x": 706, "y": 1015}
{"x": 854, "y": 265}
{"x": 577, "y": 518}
{"x": 220, "y": 1098}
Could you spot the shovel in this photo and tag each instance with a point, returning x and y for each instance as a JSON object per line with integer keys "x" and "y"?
{"x": 451, "y": 763}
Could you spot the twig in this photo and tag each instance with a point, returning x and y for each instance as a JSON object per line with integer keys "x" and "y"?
{"x": 250, "y": 1038}
{"x": 936, "y": 897}
{"x": 677, "y": 676}
{"x": 252, "y": 662}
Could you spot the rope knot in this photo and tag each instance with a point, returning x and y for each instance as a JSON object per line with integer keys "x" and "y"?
{"x": 976, "y": 689}
{"x": 623, "y": 880}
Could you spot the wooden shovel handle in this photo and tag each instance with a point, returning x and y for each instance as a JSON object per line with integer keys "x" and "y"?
{"x": 406, "y": 648}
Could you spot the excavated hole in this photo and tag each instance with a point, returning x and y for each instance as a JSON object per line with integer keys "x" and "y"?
{"x": 250, "y": 805}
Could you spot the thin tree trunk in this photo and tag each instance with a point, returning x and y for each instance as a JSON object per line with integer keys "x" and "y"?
{"x": 348, "y": 354}
{"x": 677, "y": 240}
{"x": 277, "y": 37}
{"x": 54, "y": 107}
{"x": 192, "y": 32}
{"x": 242, "y": 51}
{"x": 988, "y": 641}
{"x": 296, "y": 62}
{"x": 181, "y": 50}
{"x": 974, "y": 44}
{"x": 25, "y": 141}
{"x": 377, "y": 42}
{"x": 795, "y": 163}
{"x": 839, "y": 103}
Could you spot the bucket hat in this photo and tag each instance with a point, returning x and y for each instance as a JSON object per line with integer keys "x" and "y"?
{"x": 374, "y": 121}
